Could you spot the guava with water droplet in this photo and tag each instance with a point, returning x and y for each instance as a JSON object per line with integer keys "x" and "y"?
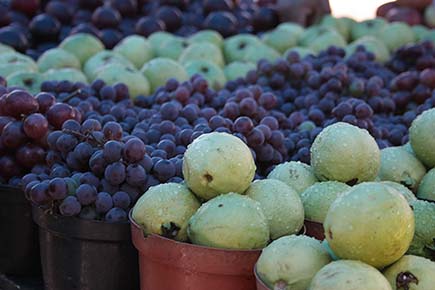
{"x": 402, "y": 189}
{"x": 372, "y": 222}
{"x": 402, "y": 167}
{"x": 426, "y": 190}
{"x": 230, "y": 221}
{"x": 318, "y": 198}
{"x": 411, "y": 273}
{"x": 218, "y": 163}
{"x": 165, "y": 209}
{"x": 422, "y": 137}
{"x": 295, "y": 174}
{"x": 281, "y": 204}
{"x": 345, "y": 153}
{"x": 423, "y": 243}
{"x": 290, "y": 262}
{"x": 346, "y": 275}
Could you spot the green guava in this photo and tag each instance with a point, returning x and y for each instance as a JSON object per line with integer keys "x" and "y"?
{"x": 136, "y": 49}
{"x": 229, "y": 221}
{"x": 56, "y": 58}
{"x": 256, "y": 53}
{"x": 295, "y": 174}
{"x": 281, "y": 204}
{"x": 156, "y": 39}
{"x": 238, "y": 69}
{"x": 5, "y": 48}
{"x": 202, "y": 51}
{"x": 290, "y": 262}
{"x": 400, "y": 166}
{"x": 165, "y": 210}
{"x": 318, "y": 198}
{"x": 82, "y": 45}
{"x": 423, "y": 243}
{"x": 101, "y": 60}
{"x": 301, "y": 51}
{"x": 372, "y": 222}
{"x": 159, "y": 70}
{"x": 209, "y": 36}
{"x": 235, "y": 46}
{"x": 426, "y": 190}
{"x": 69, "y": 74}
{"x": 422, "y": 137}
{"x": 371, "y": 44}
{"x": 339, "y": 24}
{"x": 411, "y": 273}
{"x": 347, "y": 275}
{"x": 396, "y": 35}
{"x": 327, "y": 39}
{"x": 367, "y": 27}
{"x": 331, "y": 253}
{"x": 214, "y": 75}
{"x": 402, "y": 189}
{"x": 173, "y": 47}
{"x": 12, "y": 62}
{"x": 30, "y": 81}
{"x": 218, "y": 163}
{"x": 345, "y": 153}
{"x": 408, "y": 148}
{"x": 283, "y": 37}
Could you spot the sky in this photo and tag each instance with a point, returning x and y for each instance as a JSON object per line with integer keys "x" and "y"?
{"x": 356, "y": 9}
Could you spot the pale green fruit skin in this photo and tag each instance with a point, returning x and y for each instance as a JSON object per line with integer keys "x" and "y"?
{"x": 291, "y": 260}
{"x": 159, "y": 70}
{"x": 238, "y": 69}
{"x": 229, "y": 221}
{"x": 19, "y": 79}
{"x": 402, "y": 167}
{"x": 420, "y": 32}
{"x": 137, "y": 84}
{"x": 262, "y": 51}
{"x": 346, "y": 275}
{"x": 283, "y": 37}
{"x": 281, "y": 205}
{"x": 373, "y": 45}
{"x": 302, "y": 51}
{"x": 235, "y": 46}
{"x": 409, "y": 196}
{"x": 82, "y": 45}
{"x": 70, "y": 74}
{"x": 56, "y": 58}
{"x": 5, "y": 48}
{"x": 163, "y": 204}
{"x": 172, "y": 48}
{"x": 136, "y": 49}
{"x": 408, "y": 148}
{"x": 423, "y": 241}
{"x": 367, "y": 27}
{"x": 318, "y": 198}
{"x": 396, "y": 35}
{"x": 338, "y": 24}
{"x": 429, "y": 15}
{"x": 372, "y": 222}
{"x": 423, "y": 269}
{"x": 426, "y": 190}
{"x": 295, "y": 174}
{"x": 344, "y": 153}
{"x": 312, "y": 33}
{"x": 331, "y": 38}
{"x": 202, "y": 51}
{"x": 12, "y": 62}
{"x": 209, "y": 36}
{"x": 422, "y": 138}
{"x": 214, "y": 75}
{"x": 218, "y": 163}
{"x": 429, "y": 36}
{"x": 104, "y": 58}
{"x": 328, "y": 249}
{"x": 156, "y": 39}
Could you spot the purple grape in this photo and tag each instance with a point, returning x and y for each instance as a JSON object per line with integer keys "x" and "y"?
{"x": 134, "y": 150}
{"x": 136, "y": 175}
{"x": 121, "y": 199}
{"x": 57, "y": 188}
{"x": 103, "y": 203}
{"x": 89, "y": 178}
{"x": 70, "y": 206}
{"x": 39, "y": 193}
{"x": 115, "y": 173}
{"x": 243, "y": 125}
{"x": 112, "y": 131}
{"x": 86, "y": 194}
{"x": 112, "y": 151}
{"x": 164, "y": 170}
{"x": 116, "y": 215}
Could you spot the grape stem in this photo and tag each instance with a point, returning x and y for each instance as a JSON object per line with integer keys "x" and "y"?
{"x": 83, "y": 136}
{"x": 72, "y": 95}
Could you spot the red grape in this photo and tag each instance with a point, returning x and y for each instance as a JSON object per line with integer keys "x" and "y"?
{"x": 35, "y": 126}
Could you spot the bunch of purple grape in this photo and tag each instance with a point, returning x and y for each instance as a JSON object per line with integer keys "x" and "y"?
{"x": 33, "y": 27}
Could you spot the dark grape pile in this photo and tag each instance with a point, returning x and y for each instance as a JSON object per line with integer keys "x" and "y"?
{"x": 33, "y": 27}
{"x": 90, "y": 151}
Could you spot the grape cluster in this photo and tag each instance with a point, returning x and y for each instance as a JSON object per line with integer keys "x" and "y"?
{"x": 33, "y": 27}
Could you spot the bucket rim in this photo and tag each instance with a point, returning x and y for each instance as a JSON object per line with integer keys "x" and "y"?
{"x": 257, "y": 277}
{"x": 12, "y": 194}
{"x": 74, "y": 227}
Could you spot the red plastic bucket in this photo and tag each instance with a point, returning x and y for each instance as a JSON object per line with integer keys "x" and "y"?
{"x": 314, "y": 229}
{"x": 19, "y": 251}
{"x": 170, "y": 265}
{"x": 80, "y": 254}
{"x": 260, "y": 284}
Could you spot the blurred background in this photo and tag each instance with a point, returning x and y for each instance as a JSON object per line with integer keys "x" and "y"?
{"x": 356, "y": 9}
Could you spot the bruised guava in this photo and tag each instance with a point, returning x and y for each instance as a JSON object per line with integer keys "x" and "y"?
{"x": 400, "y": 166}
{"x": 346, "y": 275}
{"x": 165, "y": 210}
{"x": 291, "y": 262}
{"x": 295, "y": 174}
{"x": 411, "y": 273}
{"x": 345, "y": 153}
{"x": 372, "y": 222}
{"x": 218, "y": 163}
{"x": 281, "y": 204}
{"x": 402, "y": 189}
{"x": 426, "y": 190}
{"x": 423, "y": 243}
{"x": 230, "y": 221}
{"x": 318, "y": 198}
{"x": 422, "y": 137}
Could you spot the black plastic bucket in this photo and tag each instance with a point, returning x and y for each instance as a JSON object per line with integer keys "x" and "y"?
{"x": 86, "y": 255}
{"x": 19, "y": 250}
